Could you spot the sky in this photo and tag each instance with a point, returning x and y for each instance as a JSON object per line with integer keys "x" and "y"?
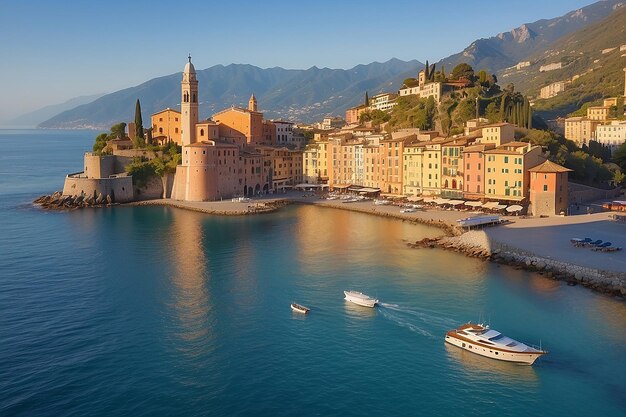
{"x": 52, "y": 51}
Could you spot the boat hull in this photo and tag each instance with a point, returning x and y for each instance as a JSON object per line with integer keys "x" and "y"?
{"x": 364, "y": 302}
{"x": 299, "y": 309}
{"x": 524, "y": 358}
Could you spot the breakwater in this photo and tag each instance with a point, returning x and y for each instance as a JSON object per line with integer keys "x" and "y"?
{"x": 233, "y": 209}
{"x": 58, "y": 201}
{"x": 478, "y": 244}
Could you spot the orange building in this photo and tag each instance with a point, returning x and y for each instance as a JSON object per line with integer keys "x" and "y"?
{"x": 240, "y": 126}
{"x": 166, "y": 127}
{"x": 548, "y": 189}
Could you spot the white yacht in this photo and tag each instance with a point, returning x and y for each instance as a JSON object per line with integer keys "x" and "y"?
{"x": 480, "y": 339}
{"x": 360, "y": 298}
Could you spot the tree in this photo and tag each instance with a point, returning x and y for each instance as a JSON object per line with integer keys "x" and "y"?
{"x": 367, "y": 99}
{"x": 618, "y": 178}
{"x": 426, "y": 73}
{"x": 491, "y": 112}
{"x": 463, "y": 70}
{"x": 138, "y": 121}
{"x": 118, "y": 131}
{"x": 619, "y": 156}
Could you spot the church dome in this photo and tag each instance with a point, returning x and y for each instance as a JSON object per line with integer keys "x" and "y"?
{"x": 189, "y": 68}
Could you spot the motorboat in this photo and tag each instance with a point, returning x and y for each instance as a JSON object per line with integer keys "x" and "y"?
{"x": 360, "y": 299}
{"x": 408, "y": 210}
{"x": 480, "y": 339}
{"x": 299, "y": 308}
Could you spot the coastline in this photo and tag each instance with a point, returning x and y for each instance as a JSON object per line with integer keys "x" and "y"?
{"x": 534, "y": 244}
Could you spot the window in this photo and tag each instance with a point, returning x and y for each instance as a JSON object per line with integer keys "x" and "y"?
{"x": 545, "y": 187}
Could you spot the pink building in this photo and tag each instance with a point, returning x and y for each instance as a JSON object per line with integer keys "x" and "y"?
{"x": 474, "y": 166}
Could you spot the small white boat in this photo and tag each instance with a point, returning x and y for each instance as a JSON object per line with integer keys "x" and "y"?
{"x": 408, "y": 210}
{"x": 382, "y": 202}
{"x": 299, "y": 308}
{"x": 480, "y": 339}
{"x": 360, "y": 299}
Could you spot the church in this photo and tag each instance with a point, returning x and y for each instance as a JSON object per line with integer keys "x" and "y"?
{"x": 231, "y": 155}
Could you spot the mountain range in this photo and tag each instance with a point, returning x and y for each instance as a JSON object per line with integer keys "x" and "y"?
{"x": 308, "y": 95}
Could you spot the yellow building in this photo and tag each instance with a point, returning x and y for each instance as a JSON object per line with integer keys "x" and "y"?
{"x": 506, "y": 173}
{"x": 598, "y": 113}
{"x": 497, "y": 133}
{"x": 580, "y": 129}
{"x": 166, "y": 127}
{"x": 412, "y": 173}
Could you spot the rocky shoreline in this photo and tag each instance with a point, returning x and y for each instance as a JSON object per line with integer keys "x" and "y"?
{"x": 58, "y": 201}
{"x": 476, "y": 244}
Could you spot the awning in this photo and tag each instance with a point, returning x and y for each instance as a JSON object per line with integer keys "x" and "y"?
{"x": 369, "y": 190}
{"x": 415, "y": 198}
{"x": 499, "y": 206}
{"x": 307, "y": 186}
{"x": 442, "y": 201}
{"x": 514, "y": 208}
{"x": 430, "y": 200}
{"x": 473, "y": 203}
{"x": 491, "y": 204}
{"x": 456, "y": 202}
{"x": 341, "y": 186}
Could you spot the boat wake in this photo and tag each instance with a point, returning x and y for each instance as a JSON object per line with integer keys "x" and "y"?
{"x": 406, "y": 317}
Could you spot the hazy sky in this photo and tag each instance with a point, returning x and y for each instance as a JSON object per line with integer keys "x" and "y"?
{"x": 52, "y": 51}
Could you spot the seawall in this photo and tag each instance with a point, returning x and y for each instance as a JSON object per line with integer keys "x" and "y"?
{"x": 478, "y": 244}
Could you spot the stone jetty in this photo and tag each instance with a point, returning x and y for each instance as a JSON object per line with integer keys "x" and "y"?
{"x": 58, "y": 201}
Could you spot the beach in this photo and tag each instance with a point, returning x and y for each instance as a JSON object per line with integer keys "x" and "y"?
{"x": 537, "y": 243}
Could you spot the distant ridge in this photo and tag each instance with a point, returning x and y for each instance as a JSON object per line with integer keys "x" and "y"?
{"x": 302, "y": 95}
{"x": 507, "y": 49}
{"x": 33, "y": 118}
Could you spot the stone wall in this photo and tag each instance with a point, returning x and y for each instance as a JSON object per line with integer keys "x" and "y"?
{"x": 579, "y": 193}
{"x": 119, "y": 188}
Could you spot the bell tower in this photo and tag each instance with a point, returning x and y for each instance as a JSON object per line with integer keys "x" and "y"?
{"x": 252, "y": 103}
{"x": 189, "y": 104}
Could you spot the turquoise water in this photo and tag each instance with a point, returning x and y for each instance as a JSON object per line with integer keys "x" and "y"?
{"x": 155, "y": 311}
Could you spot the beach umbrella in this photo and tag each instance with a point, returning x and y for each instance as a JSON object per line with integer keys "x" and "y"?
{"x": 514, "y": 208}
{"x": 456, "y": 202}
{"x": 442, "y": 201}
{"x": 499, "y": 206}
{"x": 473, "y": 203}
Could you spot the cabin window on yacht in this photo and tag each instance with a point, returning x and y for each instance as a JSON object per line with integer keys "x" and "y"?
{"x": 463, "y": 344}
{"x": 498, "y": 337}
{"x": 496, "y": 353}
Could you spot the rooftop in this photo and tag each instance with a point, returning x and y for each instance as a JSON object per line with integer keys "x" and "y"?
{"x": 549, "y": 166}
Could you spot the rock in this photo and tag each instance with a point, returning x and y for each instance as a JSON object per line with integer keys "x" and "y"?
{"x": 540, "y": 265}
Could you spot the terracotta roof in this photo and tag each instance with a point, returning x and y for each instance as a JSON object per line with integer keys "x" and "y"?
{"x": 481, "y": 147}
{"x": 164, "y": 110}
{"x": 549, "y": 166}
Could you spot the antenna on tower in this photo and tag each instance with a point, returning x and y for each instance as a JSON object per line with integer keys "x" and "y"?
{"x": 189, "y": 57}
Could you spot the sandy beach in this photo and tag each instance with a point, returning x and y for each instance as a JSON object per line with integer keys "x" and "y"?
{"x": 544, "y": 237}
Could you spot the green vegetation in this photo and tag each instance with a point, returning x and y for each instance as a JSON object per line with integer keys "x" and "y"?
{"x": 377, "y": 117}
{"x": 139, "y": 140}
{"x": 588, "y": 168}
{"x": 100, "y": 145}
{"x": 142, "y": 169}
{"x": 412, "y": 111}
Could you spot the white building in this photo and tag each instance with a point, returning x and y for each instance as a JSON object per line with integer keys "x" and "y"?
{"x": 433, "y": 90}
{"x": 383, "y": 101}
{"x": 284, "y": 132}
{"x": 611, "y": 135}
{"x": 550, "y": 67}
{"x": 551, "y": 90}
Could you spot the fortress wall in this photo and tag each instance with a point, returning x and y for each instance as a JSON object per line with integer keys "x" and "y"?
{"x": 119, "y": 188}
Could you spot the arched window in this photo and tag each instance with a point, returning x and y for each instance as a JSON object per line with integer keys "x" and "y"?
{"x": 194, "y": 97}
{"x": 446, "y": 184}
{"x": 454, "y": 184}
{"x": 160, "y": 130}
{"x": 201, "y": 132}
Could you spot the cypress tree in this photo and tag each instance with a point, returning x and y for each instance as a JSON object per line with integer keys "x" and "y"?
{"x": 138, "y": 121}
{"x": 426, "y": 73}
{"x": 367, "y": 99}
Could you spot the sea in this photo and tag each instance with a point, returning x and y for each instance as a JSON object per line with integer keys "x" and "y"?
{"x": 155, "y": 311}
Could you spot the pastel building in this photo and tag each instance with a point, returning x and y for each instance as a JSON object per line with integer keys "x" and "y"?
{"x": 548, "y": 189}
{"x": 474, "y": 165}
{"x": 413, "y": 157}
{"x": 166, "y": 127}
{"x": 506, "y": 176}
{"x": 452, "y": 167}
